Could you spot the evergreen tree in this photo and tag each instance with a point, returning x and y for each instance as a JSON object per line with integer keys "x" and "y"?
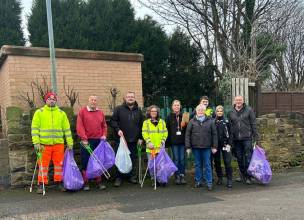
{"x": 69, "y": 23}
{"x": 186, "y": 79}
{"x": 10, "y": 23}
{"x": 151, "y": 40}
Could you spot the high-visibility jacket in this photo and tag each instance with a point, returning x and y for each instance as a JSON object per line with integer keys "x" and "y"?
{"x": 154, "y": 134}
{"x": 209, "y": 112}
{"x": 50, "y": 125}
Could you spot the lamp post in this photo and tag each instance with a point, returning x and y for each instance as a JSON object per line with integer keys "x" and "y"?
{"x": 51, "y": 45}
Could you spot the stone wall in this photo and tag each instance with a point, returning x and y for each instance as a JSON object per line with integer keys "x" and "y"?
{"x": 4, "y": 163}
{"x": 282, "y": 136}
{"x": 21, "y": 155}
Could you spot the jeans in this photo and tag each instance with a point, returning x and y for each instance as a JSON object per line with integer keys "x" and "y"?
{"x": 178, "y": 152}
{"x": 243, "y": 150}
{"x": 227, "y": 162}
{"x": 84, "y": 154}
{"x": 132, "y": 148}
{"x": 202, "y": 157}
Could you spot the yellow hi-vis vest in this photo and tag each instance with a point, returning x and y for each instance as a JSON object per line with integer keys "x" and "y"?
{"x": 50, "y": 125}
{"x": 154, "y": 134}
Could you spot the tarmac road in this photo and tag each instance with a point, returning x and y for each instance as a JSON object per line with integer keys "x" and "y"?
{"x": 281, "y": 199}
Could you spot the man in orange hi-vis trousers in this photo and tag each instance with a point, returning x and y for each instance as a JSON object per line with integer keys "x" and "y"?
{"x": 49, "y": 127}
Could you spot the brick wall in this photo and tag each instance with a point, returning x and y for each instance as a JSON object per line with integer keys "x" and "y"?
{"x": 88, "y": 72}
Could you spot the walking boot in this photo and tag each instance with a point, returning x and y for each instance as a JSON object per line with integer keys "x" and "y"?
{"x": 182, "y": 179}
{"x": 86, "y": 187}
{"x": 60, "y": 187}
{"x": 177, "y": 180}
{"x": 229, "y": 183}
{"x": 248, "y": 181}
{"x": 117, "y": 182}
{"x": 219, "y": 181}
{"x": 209, "y": 187}
{"x": 133, "y": 179}
{"x": 101, "y": 186}
{"x": 39, "y": 189}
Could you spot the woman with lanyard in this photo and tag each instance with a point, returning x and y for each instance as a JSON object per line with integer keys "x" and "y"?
{"x": 176, "y": 140}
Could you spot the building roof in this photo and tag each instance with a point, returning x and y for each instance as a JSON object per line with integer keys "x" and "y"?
{"x": 7, "y": 50}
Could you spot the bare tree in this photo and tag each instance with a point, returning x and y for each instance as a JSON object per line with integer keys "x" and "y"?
{"x": 226, "y": 31}
{"x": 288, "y": 70}
{"x": 36, "y": 87}
{"x": 112, "y": 99}
{"x": 71, "y": 93}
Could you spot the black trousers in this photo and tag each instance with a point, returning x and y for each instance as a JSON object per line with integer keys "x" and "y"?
{"x": 227, "y": 162}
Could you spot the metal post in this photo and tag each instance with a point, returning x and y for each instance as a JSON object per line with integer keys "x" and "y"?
{"x": 51, "y": 45}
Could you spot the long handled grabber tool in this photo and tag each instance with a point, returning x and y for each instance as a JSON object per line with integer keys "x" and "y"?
{"x": 39, "y": 158}
{"x": 104, "y": 170}
{"x": 32, "y": 182}
{"x": 153, "y": 156}
{"x": 42, "y": 175}
{"x": 139, "y": 148}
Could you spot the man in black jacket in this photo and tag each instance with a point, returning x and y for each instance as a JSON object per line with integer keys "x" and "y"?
{"x": 243, "y": 133}
{"x": 127, "y": 122}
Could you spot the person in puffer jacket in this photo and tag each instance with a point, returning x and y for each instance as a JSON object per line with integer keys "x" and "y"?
{"x": 224, "y": 147}
{"x": 243, "y": 134}
{"x": 201, "y": 137}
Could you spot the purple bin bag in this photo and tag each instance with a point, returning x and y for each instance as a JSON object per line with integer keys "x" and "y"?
{"x": 165, "y": 167}
{"x": 72, "y": 178}
{"x": 102, "y": 159}
{"x": 259, "y": 167}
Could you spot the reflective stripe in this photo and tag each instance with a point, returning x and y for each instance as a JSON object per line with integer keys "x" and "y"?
{"x": 51, "y": 136}
{"x": 35, "y": 134}
{"x": 57, "y": 173}
{"x": 161, "y": 131}
{"x": 37, "y": 129}
{"x": 144, "y": 130}
{"x": 57, "y": 167}
{"x": 51, "y": 130}
{"x": 68, "y": 135}
{"x": 44, "y": 168}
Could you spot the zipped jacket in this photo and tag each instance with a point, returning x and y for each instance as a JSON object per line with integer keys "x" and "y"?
{"x": 243, "y": 124}
{"x": 50, "y": 125}
{"x": 201, "y": 134}
{"x": 156, "y": 135}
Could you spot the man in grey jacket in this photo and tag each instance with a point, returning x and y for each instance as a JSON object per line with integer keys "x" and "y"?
{"x": 243, "y": 133}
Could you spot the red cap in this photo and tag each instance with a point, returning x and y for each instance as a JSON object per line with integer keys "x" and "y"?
{"x": 48, "y": 96}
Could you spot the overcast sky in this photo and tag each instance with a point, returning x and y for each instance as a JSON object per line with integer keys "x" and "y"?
{"x": 27, "y": 4}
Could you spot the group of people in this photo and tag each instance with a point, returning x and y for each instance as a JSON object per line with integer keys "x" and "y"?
{"x": 205, "y": 133}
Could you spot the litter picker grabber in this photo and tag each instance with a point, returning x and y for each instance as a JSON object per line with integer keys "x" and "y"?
{"x": 153, "y": 156}
{"x": 42, "y": 175}
{"x": 139, "y": 148}
{"x": 32, "y": 182}
{"x": 89, "y": 149}
{"x": 39, "y": 158}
